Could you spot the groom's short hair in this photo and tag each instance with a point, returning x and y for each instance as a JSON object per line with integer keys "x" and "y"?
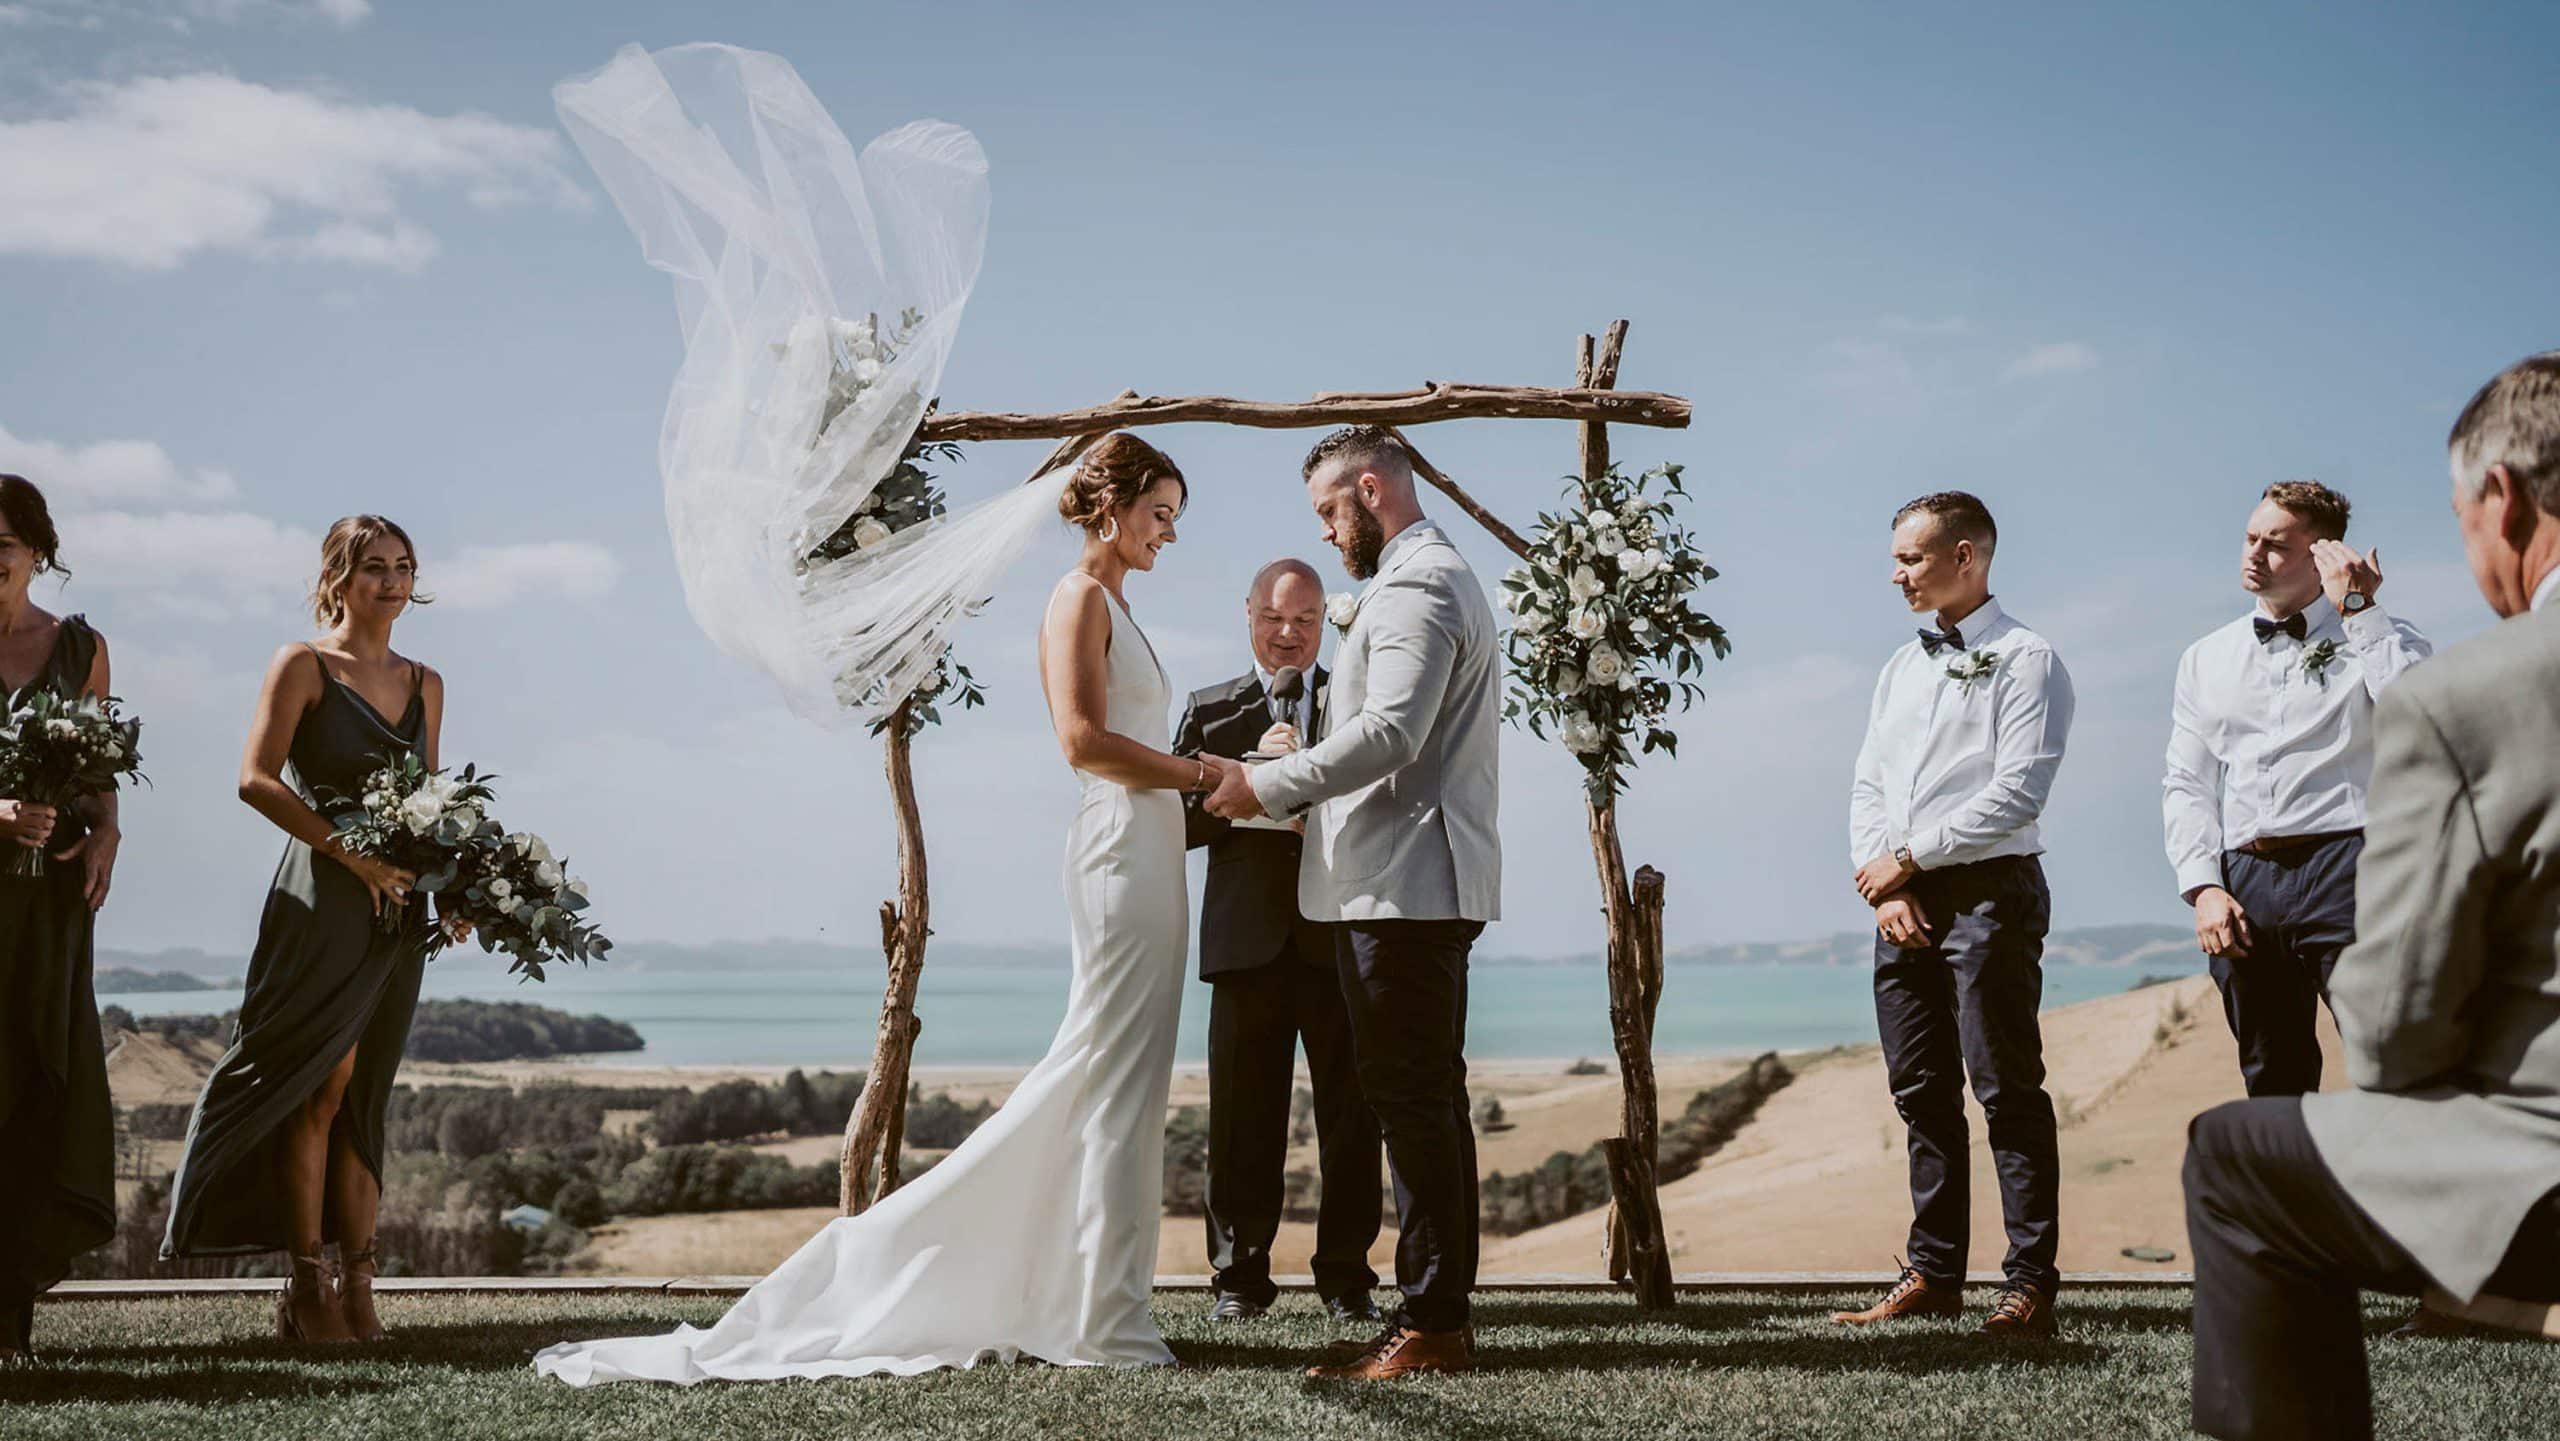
{"x": 2319, "y": 507}
{"x": 1365, "y": 447}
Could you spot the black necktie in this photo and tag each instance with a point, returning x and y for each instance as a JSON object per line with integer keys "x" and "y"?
{"x": 1935, "y": 641}
{"x": 2292, "y": 625}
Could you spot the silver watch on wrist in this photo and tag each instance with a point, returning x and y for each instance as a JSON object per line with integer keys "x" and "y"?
{"x": 1902, "y": 858}
{"x": 2354, "y": 602}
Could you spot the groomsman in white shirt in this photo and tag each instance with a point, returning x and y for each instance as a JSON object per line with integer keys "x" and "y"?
{"x": 2270, "y": 753}
{"x": 1963, "y": 742}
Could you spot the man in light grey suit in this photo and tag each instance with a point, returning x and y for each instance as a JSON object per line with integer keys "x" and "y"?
{"x": 2442, "y": 1164}
{"x": 1401, "y": 848}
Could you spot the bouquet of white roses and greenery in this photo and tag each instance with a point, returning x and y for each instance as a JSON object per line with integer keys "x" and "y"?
{"x": 520, "y": 899}
{"x": 1603, "y": 635}
{"x": 420, "y": 820}
{"x": 57, "y": 752}
{"x": 908, "y": 496}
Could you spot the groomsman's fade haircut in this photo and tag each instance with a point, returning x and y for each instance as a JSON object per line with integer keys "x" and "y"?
{"x": 23, "y": 510}
{"x": 1960, "y": 514}
{"x": 2514, "y": 421}
{"x": 2314, "y": 504}
{"x": 342, "y": 550}
{"x": 1366, "y": 448}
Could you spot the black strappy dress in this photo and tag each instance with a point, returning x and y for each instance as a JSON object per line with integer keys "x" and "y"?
{"x": 57, "y": 1125}
{"x": 325, "y": 978}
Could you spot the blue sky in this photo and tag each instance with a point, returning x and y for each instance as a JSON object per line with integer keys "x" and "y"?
{"x": 271, "y": 261}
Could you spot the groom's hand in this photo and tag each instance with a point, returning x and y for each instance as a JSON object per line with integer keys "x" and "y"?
{"x": 1233, "y": 795}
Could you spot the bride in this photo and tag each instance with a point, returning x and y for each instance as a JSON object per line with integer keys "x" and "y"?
{"x": 1037, "y": 1237}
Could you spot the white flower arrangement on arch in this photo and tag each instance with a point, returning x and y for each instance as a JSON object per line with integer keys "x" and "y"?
{"x": 1604, "y": 638}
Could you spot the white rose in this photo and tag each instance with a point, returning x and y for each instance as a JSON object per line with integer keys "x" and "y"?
{"x": 548, "y": 875}
{"x": 500, "y": 892}
{"x": 1584, "y": 583}
{"x": 60, "y": 727}
{"x": 1588, "y": 624}
{"x": 1581, "y": 734}
{"x": 1600, "y": 520}
{"x": 531, "y": 846}
{"x": 421, "y": 811}
{"x": 868, "y": 533}
{"x": 1608, "y": 542}
{"x": 1604, "y": 665}
{"x": 1340, "y": 607}
{"x": 577, "y": 887}
{"x": 1534, "y": 622}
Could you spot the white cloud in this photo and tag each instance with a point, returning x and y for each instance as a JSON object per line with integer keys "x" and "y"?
{"x": 2068, "y": 357}
{"x": 153, "y": 171}
{"x": 108, "y": 473}
{"x": 345, "y": 14}
{"x": 213, "y": 563}
{"x": 487, "y": 576}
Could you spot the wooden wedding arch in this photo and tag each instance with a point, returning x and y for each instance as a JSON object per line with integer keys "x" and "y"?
{"x": 1637, "y": 1250}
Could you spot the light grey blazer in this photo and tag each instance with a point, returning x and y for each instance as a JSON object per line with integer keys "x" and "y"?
{"x": 2448, "y": 1000}
{"x": 1404, "y": 782}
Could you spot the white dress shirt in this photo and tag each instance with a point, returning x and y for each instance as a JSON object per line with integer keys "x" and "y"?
{"x": 2543, "y": 593}
{"x": 1960, "y": 772}
{"x": 2259, "y": 747}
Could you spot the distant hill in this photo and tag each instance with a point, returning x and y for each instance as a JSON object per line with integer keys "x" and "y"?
{"x": 2132, "y": 944}
{"x": 125, "y": 980}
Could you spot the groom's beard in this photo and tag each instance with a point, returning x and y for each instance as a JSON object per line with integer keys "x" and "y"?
{"x": 1368, "y": 541}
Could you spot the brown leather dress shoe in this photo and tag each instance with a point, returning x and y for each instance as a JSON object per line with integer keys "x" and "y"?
{"x": 1398, "y": 1353}
{"x": 1913, "y": 1297}
{"x": 2021, "y": 1314}
{"x": 2429, "y": 1324}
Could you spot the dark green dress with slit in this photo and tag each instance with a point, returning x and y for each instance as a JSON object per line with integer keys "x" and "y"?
{"x": 57, "y": 1124}
{"x": 326, "y": 978}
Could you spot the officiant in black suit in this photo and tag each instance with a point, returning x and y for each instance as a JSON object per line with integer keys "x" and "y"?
{"x": 1274, "y": 984}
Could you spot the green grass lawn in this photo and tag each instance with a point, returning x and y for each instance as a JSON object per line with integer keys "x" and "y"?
{"x": 1555, "y": 1365}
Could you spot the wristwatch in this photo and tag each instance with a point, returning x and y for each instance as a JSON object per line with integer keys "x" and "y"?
{"x": 1902, "y": 858}
{"x": 2355, "y": 602}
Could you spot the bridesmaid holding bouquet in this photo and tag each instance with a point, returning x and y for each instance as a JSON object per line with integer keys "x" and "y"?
{"x": 57, "y": 1125}
{"x": 286, "y": 1146}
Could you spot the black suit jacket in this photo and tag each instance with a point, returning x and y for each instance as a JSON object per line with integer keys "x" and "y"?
{"x": 1249, "y": 911}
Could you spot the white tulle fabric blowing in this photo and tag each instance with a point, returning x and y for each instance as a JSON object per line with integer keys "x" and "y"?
{"x": 785, "y": 241}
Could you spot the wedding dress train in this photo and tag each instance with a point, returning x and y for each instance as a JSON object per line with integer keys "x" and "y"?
{"x": 1037, "y": 1237}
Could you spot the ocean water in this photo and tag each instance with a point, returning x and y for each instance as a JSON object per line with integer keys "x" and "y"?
{"x": 1006, "y": 1015}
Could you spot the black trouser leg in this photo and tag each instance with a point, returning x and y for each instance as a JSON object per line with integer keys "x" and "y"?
{"x": 1253, "y": 1046}
{"x": 2281, "y": 1254}
{"x": 2301, "y": 915}
{"x": 1347, "y": 1145}
{"x": 1406, "y": 986}
{"x": 1924, "y": 1064}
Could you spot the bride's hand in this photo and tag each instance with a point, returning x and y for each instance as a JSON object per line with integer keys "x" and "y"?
{"x": 1231, "y": 795}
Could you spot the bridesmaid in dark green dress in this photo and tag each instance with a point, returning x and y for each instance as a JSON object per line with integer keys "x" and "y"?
{"x": 57, "y": 1124}
{"x": 285, "y": 1150}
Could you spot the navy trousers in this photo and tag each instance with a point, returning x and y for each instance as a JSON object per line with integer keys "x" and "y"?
{"x": 1963, "y": 1008}
{"x": 2301, "y": 910}
{"x": 1406, "y": 985}
{"x": 2282, "y": 1253}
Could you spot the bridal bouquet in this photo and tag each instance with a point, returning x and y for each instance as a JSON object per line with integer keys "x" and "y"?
{"x": 57, "y": 752}
{"x": 510, "y": 887}
{"x": 858, "y": 354}
{"x": 1603, "y": 635}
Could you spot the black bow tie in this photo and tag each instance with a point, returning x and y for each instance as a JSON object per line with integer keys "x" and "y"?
{"x": 2293, "y": 625}
{"x": 1935, "y": 641}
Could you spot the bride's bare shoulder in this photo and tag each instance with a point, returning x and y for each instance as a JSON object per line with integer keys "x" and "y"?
{"x": 1079, "y": 611}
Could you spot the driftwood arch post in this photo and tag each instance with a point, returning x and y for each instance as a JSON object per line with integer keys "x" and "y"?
{"x": 1631, "y": 907}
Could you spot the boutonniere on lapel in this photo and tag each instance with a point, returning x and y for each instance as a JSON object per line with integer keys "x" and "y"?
{"x": 1340, "y": 607}
{"x": 2317, "y": 660}
{"x": 1976, "y": 666}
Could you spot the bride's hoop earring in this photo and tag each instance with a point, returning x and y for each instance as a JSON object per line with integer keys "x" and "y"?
{"x": 1110, "y": 529}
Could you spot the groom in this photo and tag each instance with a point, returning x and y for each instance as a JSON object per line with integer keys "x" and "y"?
{"x": 1401, "y": 849}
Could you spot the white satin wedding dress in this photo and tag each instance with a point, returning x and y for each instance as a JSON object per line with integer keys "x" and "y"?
{"x": 1037, "y": 1237}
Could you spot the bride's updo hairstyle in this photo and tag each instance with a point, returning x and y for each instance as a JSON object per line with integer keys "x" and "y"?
{"x": 342, "y": 552}
{"x": 1112, "y": 475}
{"x": 23, "y": 511}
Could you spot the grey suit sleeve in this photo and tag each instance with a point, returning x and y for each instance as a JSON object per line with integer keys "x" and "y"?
{"x": 2423, "y": 888}
{"x": 1412, "y": 630}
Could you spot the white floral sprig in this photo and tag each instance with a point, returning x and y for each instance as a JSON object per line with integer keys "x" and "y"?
{"x": 859, "y": 353}
{"x": 2317, "y": 659}
{"x": 1977, "y": 665}
{"x": 1340, "y": 607}
{"x": 1603, "y": 635}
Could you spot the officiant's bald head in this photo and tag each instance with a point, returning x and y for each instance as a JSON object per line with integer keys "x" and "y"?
{"x": 1284, "y": 614}
{"x": 1360, "y": 480}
